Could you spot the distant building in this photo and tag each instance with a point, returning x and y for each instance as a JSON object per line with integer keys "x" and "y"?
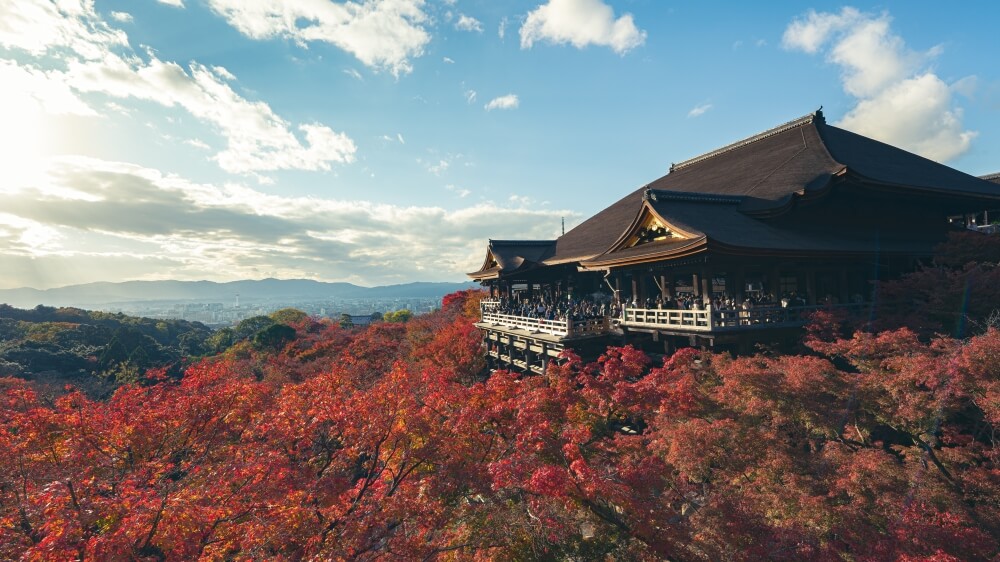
{"x": 361, "y": 319}
{"x": 731, "y": 247}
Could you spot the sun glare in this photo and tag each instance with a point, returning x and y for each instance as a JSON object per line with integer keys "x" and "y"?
{"x": 21, "y": 139}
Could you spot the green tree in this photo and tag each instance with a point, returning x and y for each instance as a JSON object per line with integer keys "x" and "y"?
{"x": 221, "y": 340}
{"x": 248, "y": 327}
{"x": 288, "y": 316}
{"x": 400, "y": 316}
{"x": 273, "y": 337}
{"x": 346, "y": 321}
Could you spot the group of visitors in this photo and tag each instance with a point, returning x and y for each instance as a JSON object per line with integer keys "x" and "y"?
{"x": 554, "y": 309}
{"x": 600, "y": 305}
{"x": 719, "y": 302}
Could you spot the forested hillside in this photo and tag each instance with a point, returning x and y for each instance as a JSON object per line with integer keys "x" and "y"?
{"x": 334, "y": 443}
{"x": 95, "y": 351}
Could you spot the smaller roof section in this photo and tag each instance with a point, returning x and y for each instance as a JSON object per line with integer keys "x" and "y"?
{"x": 995, "y": 178}
{"x": 508, "y": 257}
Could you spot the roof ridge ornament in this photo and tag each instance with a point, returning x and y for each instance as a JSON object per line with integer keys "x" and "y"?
{"x": 817, "y": 117}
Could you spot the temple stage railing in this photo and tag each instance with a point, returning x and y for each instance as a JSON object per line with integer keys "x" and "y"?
{"x": 703, "y": 321}
{"x": 562, "y": 328}
{"x": 724, "y": 320}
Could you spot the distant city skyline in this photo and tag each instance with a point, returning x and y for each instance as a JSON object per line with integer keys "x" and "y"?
{"x": 382, "y": 142}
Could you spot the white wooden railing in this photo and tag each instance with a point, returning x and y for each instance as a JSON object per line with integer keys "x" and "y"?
{"x": 671, "y": 319}
{"x": 693, "y": 320}
{"x": 723, "y": 320}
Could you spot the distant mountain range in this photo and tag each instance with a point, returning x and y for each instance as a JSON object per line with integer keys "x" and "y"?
{"x": 91, "y": 294}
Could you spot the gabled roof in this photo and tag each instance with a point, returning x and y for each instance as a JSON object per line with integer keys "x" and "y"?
{"x": 765, "y": 174}
{"x": 506, "y": 257}
{"x": 717, "y": 223}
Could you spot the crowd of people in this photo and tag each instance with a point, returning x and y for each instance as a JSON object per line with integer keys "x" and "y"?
{"x": 599, "y": 305}
{"x": 545, "y": 308}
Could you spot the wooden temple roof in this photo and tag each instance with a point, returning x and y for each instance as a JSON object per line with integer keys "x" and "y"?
{"x": 995, "y": 178}
{"x": 507, "y": 257}
{"x": 725, "y": 196}
{"x": 720, "y": 226}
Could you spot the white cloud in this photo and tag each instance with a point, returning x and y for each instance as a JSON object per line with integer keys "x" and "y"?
{"x": 353, "y": 73}
{"x": 174, "y": 3}
{"x": 470, "y": 96}
{"x": 699, "y": 109}
{"x": 448, "y": 60}
{"x": 439, "y": 168}
{"x": 899, "y": 101}
{"x": 96, "y": 59}
{"x": 510, "y": 101}
{"x": 581, "y": 23}
{"x": 502, "y": 28}
{"x": 399, "y": 137}
{"x": 41, "y": 27}
{"x": 123, "y": 17}
{"x": 224, "y": 74}
{"x": 382, "y": 35}
{"x": 46, "y": 87}
{"x": 461, "y": 192}
{"x": 468, "y": 23}
{"x": 115, "y": 221}
{"x": 198, "y": 143}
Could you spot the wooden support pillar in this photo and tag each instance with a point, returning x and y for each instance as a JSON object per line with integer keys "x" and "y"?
{"x": 695, "y": 285}
{"x": 545, "y": 358}
{"x": 668, "y": 286}
{"x": 741, "y": 284}
{"x": 774, "y": 287}
{"x": 706, "y": 285}
{"x": 635, "y": 288}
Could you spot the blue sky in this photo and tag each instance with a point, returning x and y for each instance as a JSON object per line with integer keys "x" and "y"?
{"x": 384, "y": 141}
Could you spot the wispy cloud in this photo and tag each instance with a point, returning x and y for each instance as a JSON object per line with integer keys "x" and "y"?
{"x": 468, "y": 23}
{"x": 92, "y": 57}
{"x": 510, "y": 101}
{"x": 448, "y": 60}
{"x": 198, "y": 143}
{"x": 382, "y": 35}
{"x": 699, "y": 109}
{"x": 462, "y": 193}
{"x": 581, "y": 23}
{"x": 353, "y": 73}
{"x": 439, "y": 167}
{"x": 123, "y": 17}
{"x": 470, "y": 96}
{"x": 90, "y": 219}
{"x": 899, "y": 100}
{"x": 174, "y": 3}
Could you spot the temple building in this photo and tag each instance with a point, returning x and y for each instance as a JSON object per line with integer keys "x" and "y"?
{"x": 730, "y": 248}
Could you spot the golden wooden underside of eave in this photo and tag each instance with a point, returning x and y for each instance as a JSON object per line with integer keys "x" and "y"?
{"x": 695, "y": 247}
